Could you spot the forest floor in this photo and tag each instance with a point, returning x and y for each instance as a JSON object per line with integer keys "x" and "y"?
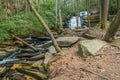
{"x": 70, "y": 66}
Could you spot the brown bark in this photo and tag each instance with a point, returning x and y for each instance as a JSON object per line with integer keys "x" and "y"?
{"x": 77, "y": 15}
{"x": 0, "y": 3}
{"x": 88, "y": 7}
{"x": 60, "y": 14}
{"x": 56, "y": 16}
{"x": 24, "y": 42}
{"x": 113, "y": 28}
{"x": 45, "y": 26}
{"x": 104, "y": 12}
{"x": 8, "y": 8}
{"x": 118, "y": 4}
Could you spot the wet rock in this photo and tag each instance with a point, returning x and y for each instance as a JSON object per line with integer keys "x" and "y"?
{"x": 18, "y": 43}
{"x": 67, "y": 41}
{"x": 38, "y": 57}
{"x": 3, "y": 46}
{"x": 26, "y": 62}
{"x": 2, "y": 54}
{"x": 36, "y": 74}
{"x": 90, "y": 47}
{"x": 24, "y": 55}
{"x": 10, "y": 49}
{"x": 7, "y": 43}
{"x": 3, "y": 70}
{"x": 45, "y": 44}
{"x": 38, "y": 64}
{"x": 27, "y": 51}
{"x": 52, "y": 50}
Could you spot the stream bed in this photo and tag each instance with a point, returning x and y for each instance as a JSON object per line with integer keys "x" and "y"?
{"x": 19, "y": 62}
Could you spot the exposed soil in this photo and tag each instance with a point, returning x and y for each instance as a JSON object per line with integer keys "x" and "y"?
{"x": 70, "y": 66}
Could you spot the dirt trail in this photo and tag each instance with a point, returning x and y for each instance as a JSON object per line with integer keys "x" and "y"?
{"x": 67, "y": 66}
{"x": 70, "y": 66}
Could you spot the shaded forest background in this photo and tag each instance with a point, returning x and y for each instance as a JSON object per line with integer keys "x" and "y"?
{"x": 17, "y": 18}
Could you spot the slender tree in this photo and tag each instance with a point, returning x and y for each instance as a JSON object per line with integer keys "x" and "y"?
{"x": 77, "y": 14}
{"x": 45, "y": 26}
{"x": 118, "y": 4}
{"x": 56, "y": 13}
{"x": 0, "y": 3}
{"x": 60, "y": 14}
{"x": 88, "y": 11}
{"x": 104, "y": 12}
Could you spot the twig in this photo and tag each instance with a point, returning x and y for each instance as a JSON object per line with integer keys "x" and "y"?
{"x": 83, "y": 69}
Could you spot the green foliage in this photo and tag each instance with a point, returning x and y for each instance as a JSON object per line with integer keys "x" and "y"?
{"x": 22, "y": 23}
{"x": 111, "y": 17}
{"x": 3, "y": 35}
{"x": 113, "y": 8}
{"x": 16, "y": 24}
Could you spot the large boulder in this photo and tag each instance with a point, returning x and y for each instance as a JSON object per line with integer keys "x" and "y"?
{"x": 90, "y": 47}
{"x": 67, "y": 41}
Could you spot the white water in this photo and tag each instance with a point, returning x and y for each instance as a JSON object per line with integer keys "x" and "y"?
{"x": 72, "y": 23}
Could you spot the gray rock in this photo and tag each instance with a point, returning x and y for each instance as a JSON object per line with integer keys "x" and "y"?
{"x": 37, "y": 64}
{"x": 52, "y": 50}
{"x": 48, "y": 56}
{"x": 90, "y": 47}
{"x": 66, "y": 41}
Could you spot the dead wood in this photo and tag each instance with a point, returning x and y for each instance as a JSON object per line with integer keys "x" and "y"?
{"x": 86, "y": 70}
{"x": 24, "y": 42}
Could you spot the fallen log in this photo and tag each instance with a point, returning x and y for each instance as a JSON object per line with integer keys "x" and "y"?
{"x": 35, "y": 74}
{"x": 24, "y": 42}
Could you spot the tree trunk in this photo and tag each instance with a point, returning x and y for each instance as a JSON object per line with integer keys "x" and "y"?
{"x": 118, "y": 4}
{"x": 8, "y": 8}
{"x": 60, "y": 14}
{"x": 45, "y": 26}
{"x": 56, "y": 13}
{"x": 0, "y": 3}
{"x": 77, "y": 14}
{"x": 113, "y": 28}
{"x": 104, "y": 12}
{"x": 88, "y": 11}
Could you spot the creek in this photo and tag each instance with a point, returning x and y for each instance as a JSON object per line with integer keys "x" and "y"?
{"x": 23, "y": 56}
